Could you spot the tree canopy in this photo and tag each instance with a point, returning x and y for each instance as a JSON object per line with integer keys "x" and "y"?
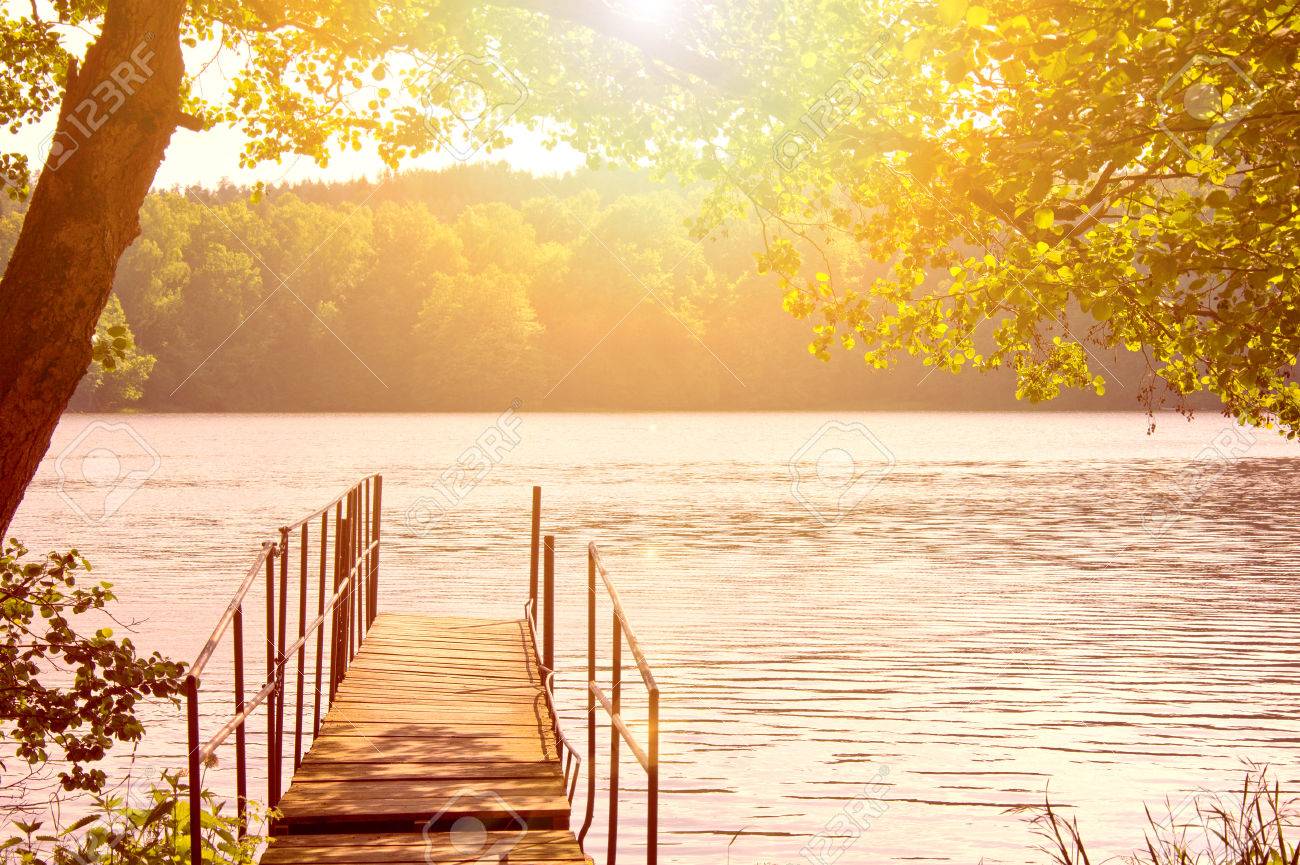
{"x": 1046, "y": 183}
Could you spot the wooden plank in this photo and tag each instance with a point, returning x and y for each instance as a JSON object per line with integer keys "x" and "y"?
{"x": 343, "y": 771}
{"x": 500, "y": 803}
{"x": 517, "y": 641}
{"x": 472, "y": 699}
{"x": 467, "y": 737}
{"x": 382, "y": 794}
{"x": 431, "y": 682}
{"x": 447, "y": 654}
{"x": 452, "y": 692}
{"x": 462, "y": 678}
{"x": 536, "y": 846}
{"x": 398, "y": 619}
{"x": 471, "y": 749}
{"x": 524, "y": 712}
{"x": 512, "y": 636}
{"x": 491, "y": 715}
{"x": 417, "y": 671}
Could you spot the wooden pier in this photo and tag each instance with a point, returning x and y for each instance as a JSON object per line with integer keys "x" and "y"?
{"x": 437, "y": 720}
{"x": 439, "y": 740}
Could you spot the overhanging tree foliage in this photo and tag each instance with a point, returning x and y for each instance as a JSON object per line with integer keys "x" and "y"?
{"x": 1050, "y": 182}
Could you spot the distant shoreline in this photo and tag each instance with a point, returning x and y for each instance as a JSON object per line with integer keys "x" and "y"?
{"x": 1026, "y": 409}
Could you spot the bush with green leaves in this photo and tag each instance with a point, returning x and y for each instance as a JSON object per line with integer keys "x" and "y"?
{"x": 151, "y": 828}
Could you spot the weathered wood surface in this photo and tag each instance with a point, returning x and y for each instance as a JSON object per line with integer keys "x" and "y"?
{"x": 438, "y": 719}
{"x": 538, "y": 846}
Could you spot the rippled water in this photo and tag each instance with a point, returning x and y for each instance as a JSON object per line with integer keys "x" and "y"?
{"x": 988, "y": 608}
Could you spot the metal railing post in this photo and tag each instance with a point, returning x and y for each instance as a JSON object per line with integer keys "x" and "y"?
{"x": 354, "y": 525}
{"x": 320, "y": 631}
{"x": 241, "y": 736}
{"x": 591, "y": 696}
{"x": 334, "y": 606}
{"x": 532, "y": 559}
{"x": 652, "y": 784}
{"x": 548, "y": 635}
{"x": 354, "y": 587}
{"x": 196, "y": 782}
{"x": 302, "y": 655}
{"x": 270, "y": 666}
{"x": 376, "y": 507}
{"x": 340, "y": 654}
{"x": 616, "y": 700}
{"x": 374, "y": 562}
{"x": 277, "y": 768}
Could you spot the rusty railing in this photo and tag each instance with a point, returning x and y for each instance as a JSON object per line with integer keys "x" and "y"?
{"x": 352, "y": 553}
{"x": 546, "y": 651}
{"x": 612, "y": 703}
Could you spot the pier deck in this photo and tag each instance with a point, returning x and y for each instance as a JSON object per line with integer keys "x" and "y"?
{"x": 436, "y": 720}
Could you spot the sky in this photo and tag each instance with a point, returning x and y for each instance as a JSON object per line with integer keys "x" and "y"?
{"x": 207, "y": 158}
{"x": 211, "y": 156}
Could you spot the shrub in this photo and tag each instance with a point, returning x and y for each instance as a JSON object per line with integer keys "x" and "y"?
{"x": 148, "y": 828}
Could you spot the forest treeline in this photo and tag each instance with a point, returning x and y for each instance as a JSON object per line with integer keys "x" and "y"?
{"x": 468, "y": 289}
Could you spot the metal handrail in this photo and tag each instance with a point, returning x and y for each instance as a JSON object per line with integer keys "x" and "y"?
{"x": 572, "y": 757}
{"x": 543, "y": 554}
{"x": 351, "y": 610}
{"x": 642, "y": 665}
{"x": 612, "y": 704}
{"x": 201, "y": 662}
{"x": 546, "y": 651}
{"x": 223, "y": 734}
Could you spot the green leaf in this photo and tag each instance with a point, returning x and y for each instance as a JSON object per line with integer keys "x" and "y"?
{"x": 1044, "y": 218}
{"x": 951, "y": 11}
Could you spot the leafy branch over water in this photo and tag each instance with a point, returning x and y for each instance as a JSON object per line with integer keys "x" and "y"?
{"x": 66, "y": 697}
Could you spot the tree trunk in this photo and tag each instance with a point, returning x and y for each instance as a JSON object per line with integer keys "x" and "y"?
{"x": 118, "y": 114}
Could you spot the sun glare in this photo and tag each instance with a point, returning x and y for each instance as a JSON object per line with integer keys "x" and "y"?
{"x": 647, "y": 11}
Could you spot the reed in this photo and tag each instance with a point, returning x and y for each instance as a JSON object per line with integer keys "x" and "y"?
{"x": 1253, "y": 826}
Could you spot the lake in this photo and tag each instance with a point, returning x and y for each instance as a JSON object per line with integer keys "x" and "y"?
{"x": 949, "y": 614}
